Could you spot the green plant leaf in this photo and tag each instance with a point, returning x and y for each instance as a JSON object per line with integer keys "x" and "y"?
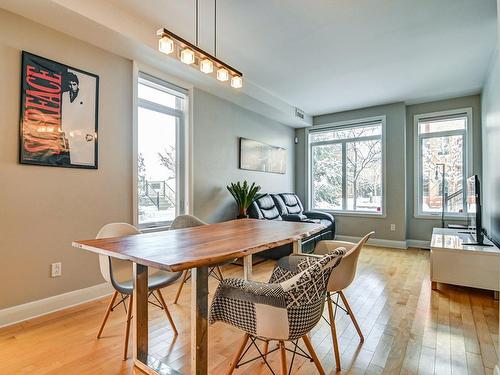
{"x": 243, "y": 193}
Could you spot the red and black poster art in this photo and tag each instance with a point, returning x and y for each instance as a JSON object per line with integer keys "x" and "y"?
{"x": 58, "y": 122}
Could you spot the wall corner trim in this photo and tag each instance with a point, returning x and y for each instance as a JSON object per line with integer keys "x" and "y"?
{"x": 421, "y": 244}
{"x": 30, "y": 310}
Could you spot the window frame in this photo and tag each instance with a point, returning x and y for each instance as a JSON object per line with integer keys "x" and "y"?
{"x": 467, "y": 149}
{"x": 183, "y": 141}
{"x": 343, "y": 125}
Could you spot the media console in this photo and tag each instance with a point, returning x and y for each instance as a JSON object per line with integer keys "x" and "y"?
{"x": 455, "y": 262}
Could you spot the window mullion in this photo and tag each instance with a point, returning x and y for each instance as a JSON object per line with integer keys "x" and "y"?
{"x": 465, "y": 172}
{"x": 344, "y": 176}
{"x": 159, "y": 108}
{"x": 420, "y": 187}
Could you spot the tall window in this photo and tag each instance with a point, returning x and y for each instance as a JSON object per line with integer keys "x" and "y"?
{"x": 160, "y": 151}
{"x": 346, "y": 168}
{"x": 441, "y": 169}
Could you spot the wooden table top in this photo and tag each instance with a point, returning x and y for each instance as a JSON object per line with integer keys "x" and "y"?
{"x": 181, "y": 249}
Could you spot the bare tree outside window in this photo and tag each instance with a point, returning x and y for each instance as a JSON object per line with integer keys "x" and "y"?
{"x": 327, "y": 176}
{"x": 346, "y": 169}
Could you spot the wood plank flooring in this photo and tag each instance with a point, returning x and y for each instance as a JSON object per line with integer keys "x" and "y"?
{"x": 409, "y": 329}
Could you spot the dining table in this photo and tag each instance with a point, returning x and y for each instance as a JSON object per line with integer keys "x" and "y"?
{"x": 194, "y": 249}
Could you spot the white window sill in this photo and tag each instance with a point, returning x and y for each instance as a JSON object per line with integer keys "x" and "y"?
{"x": 353, "y": 213}
{"x": 438, "y": 217}
{"x": 154, "y": 229}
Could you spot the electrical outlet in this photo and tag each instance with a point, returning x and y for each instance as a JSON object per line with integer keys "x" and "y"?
{"x": 393, "y": 227}
{"x": 56, "y": 269}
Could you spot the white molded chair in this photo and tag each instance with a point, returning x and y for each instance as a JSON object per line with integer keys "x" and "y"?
{"x": 341, "y": 277}
{"x": 120, "y": 274}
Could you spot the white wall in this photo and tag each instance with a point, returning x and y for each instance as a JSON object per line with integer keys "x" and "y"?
{"x": 43, "y": 209}
{"x": 490, "y": 106}
{"x": 490, "y": 113}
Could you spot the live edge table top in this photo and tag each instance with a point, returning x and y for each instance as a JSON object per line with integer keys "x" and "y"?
{"x": 178, "y": 250}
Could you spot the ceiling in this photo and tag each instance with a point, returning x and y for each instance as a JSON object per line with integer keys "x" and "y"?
{"x": 321, "y": 56}
{"x": 331, "y": 55}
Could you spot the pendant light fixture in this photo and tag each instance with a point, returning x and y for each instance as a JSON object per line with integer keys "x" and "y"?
{"x": 191, "y": 54}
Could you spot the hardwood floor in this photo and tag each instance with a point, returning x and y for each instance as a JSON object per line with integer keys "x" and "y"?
{"x": 408, "y": 329}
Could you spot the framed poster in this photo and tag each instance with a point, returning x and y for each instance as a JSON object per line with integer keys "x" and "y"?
{"x": 58, "y": 119}
{"x": 258, "y": 156}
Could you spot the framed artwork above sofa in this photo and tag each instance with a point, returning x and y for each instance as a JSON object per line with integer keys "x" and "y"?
{"x": 259, "y": 156}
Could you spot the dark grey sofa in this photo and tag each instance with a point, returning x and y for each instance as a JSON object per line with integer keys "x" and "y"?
{"x": 288, "y": 207}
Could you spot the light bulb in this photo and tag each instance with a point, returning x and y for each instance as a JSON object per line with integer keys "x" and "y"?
{"x": 207, "y": 66}
{"x": 187, "y": 56}
{"x": 222, "y": 74}
{"x": 166, "y": 45}
{"x": 236, "y": 82}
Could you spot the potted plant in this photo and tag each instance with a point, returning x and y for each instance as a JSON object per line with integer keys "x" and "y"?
{"x": 244, "y": 194}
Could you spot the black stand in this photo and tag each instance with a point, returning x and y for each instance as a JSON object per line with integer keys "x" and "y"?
{"x": 477, "y": 244}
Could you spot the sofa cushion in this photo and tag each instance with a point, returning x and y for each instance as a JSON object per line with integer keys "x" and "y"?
{"x": 268, "y": 207}
{"x": 266, "y": 202}
{"x": 288, "y": 203}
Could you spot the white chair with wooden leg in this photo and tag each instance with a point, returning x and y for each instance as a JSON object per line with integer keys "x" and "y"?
{"x": 119, "y": 274}
{"x": 189, "y": 221}
{"x": 341, "y": 277}
{"x": 284, "y": 310}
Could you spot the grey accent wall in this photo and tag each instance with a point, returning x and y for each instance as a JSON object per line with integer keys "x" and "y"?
{"x": 491, "y": 151}
{"x": 395, "y": 210}
{"x": 418, "y": 228}
{"x": 43, "y": 209}
{"x": 400, "y": 161}
{"x": 218, "y": 125}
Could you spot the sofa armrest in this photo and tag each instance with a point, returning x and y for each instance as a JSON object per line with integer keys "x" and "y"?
{"x": 319, "y": 215}
{"x": 254, "y": 211}
{"x": 294, "y": 217}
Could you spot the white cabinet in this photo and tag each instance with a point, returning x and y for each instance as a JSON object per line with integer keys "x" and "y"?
{"x": 455, "y": 262}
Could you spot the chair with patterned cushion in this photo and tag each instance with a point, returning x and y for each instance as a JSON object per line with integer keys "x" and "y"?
{"x": 284, "y": 310}
{"x": 189, "y": 221}
{"x": 339, "y": 280}
{"x": 119, "y": 273}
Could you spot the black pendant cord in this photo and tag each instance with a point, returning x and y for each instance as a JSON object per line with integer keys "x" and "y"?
{"x": 196, "y": 22}
{"x": 215, "y": 28}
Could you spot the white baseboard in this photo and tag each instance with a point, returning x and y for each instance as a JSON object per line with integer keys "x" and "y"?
{"x": 30, "y": 310}
{"x": 419, "y": 244}
{"x": 388, "y": 243}
{"x": 496, "y": 371}
{"x": 375, "y": 242}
